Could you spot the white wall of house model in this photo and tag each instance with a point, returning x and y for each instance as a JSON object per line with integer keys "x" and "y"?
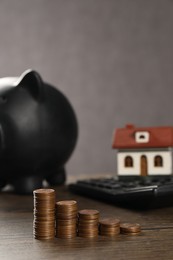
{"x": 165, "y": 169}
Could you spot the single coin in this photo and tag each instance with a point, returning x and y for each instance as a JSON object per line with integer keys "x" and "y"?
{"x": 109, "y": 222}
{"x": 44, "y": 194}
{"x": 66, "y": 203}
{"x": 66, "y": 221}
{"x": 66, "y": 216}
{"x": 88, "y": 214}
{"x": 66, "y": 211}
{"x": 64, "y": 228}
{"x": 46, "y": 203}
{"x": 130, "y": 228}
{"x": 88, "y": 226}
{"x": 44, "y": 237}
{"x": 111, "y": 230}
{"x": 88, "y": 221}
{"x": 43, "y": 191}
{"x": 43, "y": 211}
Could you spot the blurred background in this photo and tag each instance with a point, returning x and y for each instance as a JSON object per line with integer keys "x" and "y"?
{"x": 113, "y": 59}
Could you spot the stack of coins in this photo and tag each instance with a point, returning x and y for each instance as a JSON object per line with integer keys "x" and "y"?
{"x": 66, "y": 219}
{"x": 44, "y": 214}
{"x": 109, "y": 227}
{"x": 88, "y": 223}
{"x": 129, "y": 228}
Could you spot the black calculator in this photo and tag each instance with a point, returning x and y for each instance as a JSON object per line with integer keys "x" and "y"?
{"x": 139, "y": 193}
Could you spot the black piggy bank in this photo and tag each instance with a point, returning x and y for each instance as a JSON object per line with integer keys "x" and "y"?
{"x": 38, "y": 132}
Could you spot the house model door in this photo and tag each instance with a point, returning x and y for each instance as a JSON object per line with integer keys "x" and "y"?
{"x": 144, "y": 166}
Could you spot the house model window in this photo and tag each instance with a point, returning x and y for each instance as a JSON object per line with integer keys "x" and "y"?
{"x": 158, "y": 161}
{"x": 142, "y": 137}
{"x": 128, "y": 161}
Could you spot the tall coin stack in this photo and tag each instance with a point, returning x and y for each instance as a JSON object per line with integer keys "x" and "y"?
{"x": 88, "y": 223}
{"x": 109, "y": 227}
{"x": 44, "y": 214}
{"x": 66, "y": 219}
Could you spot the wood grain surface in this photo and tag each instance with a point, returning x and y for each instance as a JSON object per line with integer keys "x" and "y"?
{"x": 17, "y": 242}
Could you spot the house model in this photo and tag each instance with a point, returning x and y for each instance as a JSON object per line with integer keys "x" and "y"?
{"x": 145, "y": 151}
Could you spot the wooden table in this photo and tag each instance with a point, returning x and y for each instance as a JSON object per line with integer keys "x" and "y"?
{"x": 17, "y": 242}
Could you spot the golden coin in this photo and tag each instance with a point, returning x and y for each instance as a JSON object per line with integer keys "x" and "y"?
{"x": 66, "y": 216}
{"x": 66, "y": 228}
{"x": 88, "y": 214}
{"x": 66, "y": 203}
{"x": 67, "y": 222}
{"x": 102, "y": 229}
{"x": 88, "y": 221}
{"x": 66, "y": 207}
{"x": 44, "y": 237}
{"x": 130, "y": 228}
{"x": 109, "y": 222}
{"x": 43, "y": 191}
{"x": 90, "y": 226}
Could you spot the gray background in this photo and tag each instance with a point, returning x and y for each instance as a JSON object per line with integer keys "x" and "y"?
{"x": 112, "y": 58}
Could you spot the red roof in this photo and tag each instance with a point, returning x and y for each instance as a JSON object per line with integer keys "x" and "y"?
{"x": 158, "y": 137}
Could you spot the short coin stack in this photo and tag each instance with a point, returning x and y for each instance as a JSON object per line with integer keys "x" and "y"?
{"x": 129, "y": 228}
{"x": 66, "y": 219}
{"x": 88, "y": 223}
{"x": 44, "y": 214}
{"x": 109, "y": 227}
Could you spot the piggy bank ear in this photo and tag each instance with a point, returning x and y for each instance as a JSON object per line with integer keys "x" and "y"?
{"x": 31, "y": 81}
